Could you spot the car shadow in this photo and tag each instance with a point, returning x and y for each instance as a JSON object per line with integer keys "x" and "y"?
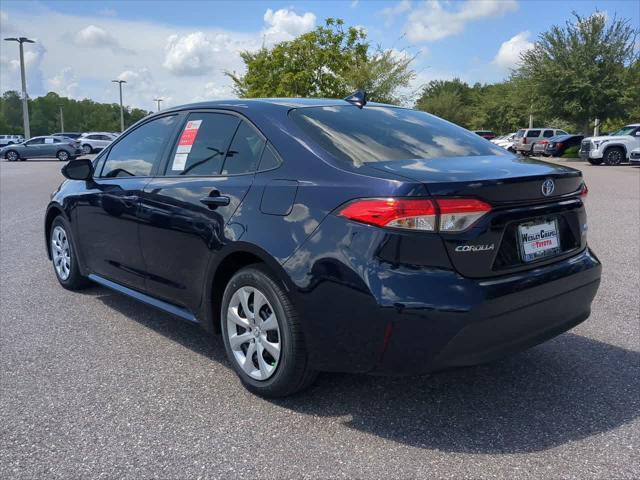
{"x": 568, "y": 389}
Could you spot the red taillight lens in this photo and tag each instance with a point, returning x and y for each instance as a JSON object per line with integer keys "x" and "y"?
{"x": 524, "y": 141}
{"x": 452, "y": 214}
{"x": 458, "y": 214}
{"x": 584, "y": 191}
{"x": 559, "y": 145}
{"x": 543, "y": 142}
{"x": 414, "y": 214}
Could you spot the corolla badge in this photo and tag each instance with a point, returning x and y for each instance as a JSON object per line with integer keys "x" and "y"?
{"x": 474, "y": 248}
{"x": 548, "y": 187}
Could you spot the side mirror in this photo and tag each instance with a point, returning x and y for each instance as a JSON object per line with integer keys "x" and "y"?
{"x": 81, "y": 169}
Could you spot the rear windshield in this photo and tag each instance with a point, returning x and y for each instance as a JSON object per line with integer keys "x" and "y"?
{"x": 377, "y": 134}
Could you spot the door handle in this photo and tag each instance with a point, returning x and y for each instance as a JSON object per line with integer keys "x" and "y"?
{"x": 214, "y": 201}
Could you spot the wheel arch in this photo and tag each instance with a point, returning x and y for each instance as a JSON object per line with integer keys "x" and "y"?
{"x": 616, "y": 145}
{"x": 53, "y": 210}
{"x": 225, "y": 264}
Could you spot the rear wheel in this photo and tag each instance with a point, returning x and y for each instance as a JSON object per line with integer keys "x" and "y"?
{"x": 86, "y": 149}
{"x": 63, "y": 155}
{"x": 263, "y": 336}
{"x": 64, "y": 258}
{"x": 12, "y": 156}
{"x": 614, "y": 156}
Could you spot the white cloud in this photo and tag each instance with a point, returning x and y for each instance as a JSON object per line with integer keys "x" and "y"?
{"x": 390, "y": 13}
{"x": 508, "y": 55}
{"x": 93, "y": 36}
{"x": 65, "y": 83}
{"x": 433, "y": 21}
{"x": 192, "y": 54}
{"x": 285, "y": 25}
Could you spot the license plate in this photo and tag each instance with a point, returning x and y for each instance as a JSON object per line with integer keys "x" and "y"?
{"x": 538, "y": 239}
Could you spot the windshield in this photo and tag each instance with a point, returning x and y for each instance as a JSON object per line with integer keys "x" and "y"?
{"x": 623, "y": 131}
{"x": 377, "y": 134}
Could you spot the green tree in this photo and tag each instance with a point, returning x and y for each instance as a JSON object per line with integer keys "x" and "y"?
{"x": 580, "y": 72}
{"x": 330, "y": 61}
{"x": 448, "y": 99}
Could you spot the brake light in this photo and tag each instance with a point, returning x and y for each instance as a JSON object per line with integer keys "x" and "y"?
{"x": 543, "y": 142}
{"x": 444, "y": 214}
{"x": 559, "y": 145}
{"x": 584, "y": 191}
{"x": 524, "y": 140}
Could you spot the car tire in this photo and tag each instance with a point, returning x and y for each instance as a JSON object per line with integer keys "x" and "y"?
{"x": 595, "y": 161}
{"x": 275, "y": 324}
{"x": 63, "y": 256}
{"x": 613, "y": 156}
{"x": 63, "y": 156}
{"x": 12, "y": 156}
{"x": 87, "y": 149}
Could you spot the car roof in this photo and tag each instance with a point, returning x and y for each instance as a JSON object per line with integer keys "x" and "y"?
{"x": 633, "y": 125}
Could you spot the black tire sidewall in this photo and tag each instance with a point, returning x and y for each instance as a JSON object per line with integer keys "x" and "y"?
{"x": 611, "y": 150}
{"x": 280, "y": 382}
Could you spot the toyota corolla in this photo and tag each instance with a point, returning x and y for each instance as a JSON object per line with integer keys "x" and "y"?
{"x": 329, "y": 235}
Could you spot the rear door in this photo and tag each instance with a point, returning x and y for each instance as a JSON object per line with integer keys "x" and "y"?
{"x": 185, "y": 212}
{"x": 107, "y": 209}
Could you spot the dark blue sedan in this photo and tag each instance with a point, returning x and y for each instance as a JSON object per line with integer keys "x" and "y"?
{"x": 329, "y": 235}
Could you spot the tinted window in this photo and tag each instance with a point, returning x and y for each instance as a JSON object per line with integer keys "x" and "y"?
{"x": 375, "y": 134}
{"x": 269, "y": 159}
{"x": 244, "y": 152}
{"x": 533, "y": 133}
{"x": 36, "y": 141}
{"x": 548, "y": 134}
{"x": 561, "y": 132}
{"x": 136, "y": 153}
{"x": 203, "y": 144}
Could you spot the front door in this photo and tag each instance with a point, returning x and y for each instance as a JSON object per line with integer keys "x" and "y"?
{"x": 184, "y": 213}
{"x": 107, "y": 212}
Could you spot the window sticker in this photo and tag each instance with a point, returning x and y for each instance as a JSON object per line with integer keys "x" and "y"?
{"x": 185, "y": 143}
{"x": 48, "y": 140}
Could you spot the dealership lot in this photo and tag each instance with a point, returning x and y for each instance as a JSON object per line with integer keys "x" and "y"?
{"x": 95, "y": 384}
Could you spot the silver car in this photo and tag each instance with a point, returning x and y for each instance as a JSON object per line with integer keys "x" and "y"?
{"x": 526, "y": 138}
{"x": 10, "y": 139}
{"x": 61, "y": 148}
{"x": 93, "y": 141}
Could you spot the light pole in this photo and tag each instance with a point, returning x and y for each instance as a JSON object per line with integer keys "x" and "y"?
{"x": 120, "y": 82}
{"x": 25, "y": 105}
{"x": 61, "y": 120}
{"x": 158, "y": 100}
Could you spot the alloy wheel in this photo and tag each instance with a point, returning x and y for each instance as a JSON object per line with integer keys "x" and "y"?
{"x": 614, "y": 157}
{"x": 12, "y": 156}
{"x": 63, "y": 156}
{"x": 86, "y": 149}
{"x": 61, "y": 252}
{"x": 253, "y": 333}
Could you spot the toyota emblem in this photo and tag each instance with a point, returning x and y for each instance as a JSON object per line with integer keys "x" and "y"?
{"x": 548, "y": 187}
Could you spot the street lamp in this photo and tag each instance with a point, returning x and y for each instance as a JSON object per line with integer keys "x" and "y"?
{"x": 120, "y": 82}
{"x": 61, "y": 119}
{"x": 158, "y": 100}
{"x": 25, "y": 105}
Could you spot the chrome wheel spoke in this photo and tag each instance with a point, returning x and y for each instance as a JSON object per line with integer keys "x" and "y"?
{"x": 244, "y": 300}
{"x": 236, "y": 341}
{"x": 259, "y": 301}
{"x": 270, "y": 323}
{"x": 248, "y": 365}
{"x": 265, "y": 368}
{"x": 232, "y": 315}
{"x": 272, "y": 348}
{"x": 60, "y": 253}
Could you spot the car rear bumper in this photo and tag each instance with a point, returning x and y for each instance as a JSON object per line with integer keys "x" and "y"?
{"x": 407, "y": 320}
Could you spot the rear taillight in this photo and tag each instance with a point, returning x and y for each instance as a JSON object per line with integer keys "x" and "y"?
{"x": 584, "y": 191}
{"x": 444, "y": 214}
{"x": 543, "y": 142}
{"x": 524, "y": 141}
{"x": 559, "y": 145}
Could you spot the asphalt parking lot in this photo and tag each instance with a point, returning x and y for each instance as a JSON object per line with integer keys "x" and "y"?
{"x": 94, "y": 384}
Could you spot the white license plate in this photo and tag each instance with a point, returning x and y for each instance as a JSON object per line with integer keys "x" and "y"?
{"x": 538, "y": 239}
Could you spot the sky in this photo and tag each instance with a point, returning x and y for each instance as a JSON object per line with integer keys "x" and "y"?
{"x": 179, "y": 51}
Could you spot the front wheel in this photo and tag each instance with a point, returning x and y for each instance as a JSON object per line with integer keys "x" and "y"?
{"x": 262, "y": 335}
{"x": 12, "y": 156}
{"x": 64, "y": 258}
{"x": 614, "y": 156}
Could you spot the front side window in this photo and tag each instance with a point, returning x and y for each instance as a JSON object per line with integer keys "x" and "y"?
{"x": 548, "y": 134}
{"x": 35, "y": 141}
{"x": 202, "y": 144}
{"x": 140, "y": 150}
{"x": 379, "y": 134}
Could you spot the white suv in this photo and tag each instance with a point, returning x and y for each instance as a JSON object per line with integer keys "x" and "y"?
{"x": 10, "y": 139}
{"x": 526, "y": 138}
{"x": 611, "y": 149}
{"x": 93, "y": 141}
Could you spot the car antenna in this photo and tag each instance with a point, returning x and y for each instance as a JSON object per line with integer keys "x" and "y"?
{"x": 358, "y": 98}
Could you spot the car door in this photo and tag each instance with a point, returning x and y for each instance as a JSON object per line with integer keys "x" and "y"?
{"x": 185, "y": 213}
{"x": 50, "y": 147}
{"x": 106, "y": 211}
{"x": 33, "y": 148}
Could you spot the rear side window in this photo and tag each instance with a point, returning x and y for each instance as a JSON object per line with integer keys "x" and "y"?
{"x": 378, "y": 134}
{"x": 203, "y": 144}
{"x": 139, "y": 151}
{"x": 533, "y": 133}
{"x": 244, "y": 152}
{"x": 269, "y": 159}
{"x": 548, "y": 134}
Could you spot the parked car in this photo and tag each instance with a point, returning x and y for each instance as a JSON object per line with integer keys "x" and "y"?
{"x": 38, "y": 147}
{"x": 10, "y": 139}
{"x": 505, "y": 141}
{"x": 526, "y": 138}
{"x": 634, "y": 157}
{"x": 73, "y": 135}
{"x": 561, "y": 144}
{"x": 95, "y": 141}
{"x": 329, "y": 235}
{"x": 486, "y": 134}
{"x": 611, "y": 149}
